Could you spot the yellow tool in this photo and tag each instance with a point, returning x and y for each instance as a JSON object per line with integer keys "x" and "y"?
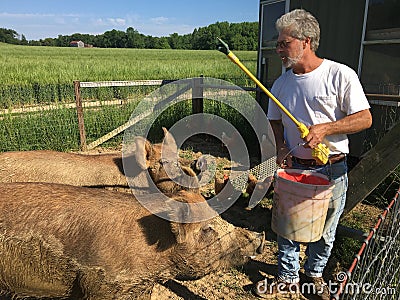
{"x": 321, "y": 152}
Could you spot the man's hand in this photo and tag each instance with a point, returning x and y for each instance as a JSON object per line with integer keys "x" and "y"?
{"x": 315, "y": 136}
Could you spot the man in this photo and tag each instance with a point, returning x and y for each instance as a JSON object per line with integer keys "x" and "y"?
{"x": 328, "y": 98}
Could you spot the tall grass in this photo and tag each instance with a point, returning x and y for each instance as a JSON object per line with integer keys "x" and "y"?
{"x": 27, "y": 65}
{"x": 40, "y": 74}
{"x": 45, "y": 75}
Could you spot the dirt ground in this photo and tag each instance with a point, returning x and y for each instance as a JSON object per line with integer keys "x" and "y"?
{"x": 236, "y": 283}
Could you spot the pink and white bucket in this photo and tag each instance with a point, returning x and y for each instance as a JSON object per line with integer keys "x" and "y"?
{"x": 301, "y": 200}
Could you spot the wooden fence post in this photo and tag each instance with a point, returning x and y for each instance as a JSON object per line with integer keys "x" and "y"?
{"x": 197, "y": 95}
{"x": 373, "y": 168}
{"x": 79, "y": 112}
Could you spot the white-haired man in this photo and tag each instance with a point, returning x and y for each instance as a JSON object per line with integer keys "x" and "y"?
{"x": 328, "y": 98}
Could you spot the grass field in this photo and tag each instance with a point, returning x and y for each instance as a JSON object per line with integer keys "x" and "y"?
{"x": 45, "y": 75}
{"x": 28, "y": 65}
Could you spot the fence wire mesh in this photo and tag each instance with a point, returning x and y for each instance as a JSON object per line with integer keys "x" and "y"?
{"x": 29, "y": 122}
{"x": 375, "y": 272}
{"x": 44, "y": 116}
{"x": 40, "y": 127}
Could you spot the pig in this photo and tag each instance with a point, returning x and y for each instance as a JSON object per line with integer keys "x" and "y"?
{"x": 69, "y": 242}
{"x": 63, "y": 241}
{"x": 141, "y": 158}
{"x": 100, "y": 170}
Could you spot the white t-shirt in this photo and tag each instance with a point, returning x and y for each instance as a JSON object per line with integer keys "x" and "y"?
{"x": 328, "y": 93}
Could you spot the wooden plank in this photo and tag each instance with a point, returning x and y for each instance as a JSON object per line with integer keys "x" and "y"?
{"x": 385, "y": 100}
{"x": 373, "y": 168}
{"x": 120, "y": 83}
{"x": 385, "y": 103}
{"x": 58, "y": 105}
{"x": 382, "y": 97}
{"x": 133, "y": 121}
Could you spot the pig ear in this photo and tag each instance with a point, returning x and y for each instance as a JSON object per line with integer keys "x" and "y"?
{"x": 169, "y": 149}
{"x": 142, "y": 152}
{"x": 181, "y": 231}
{"x": 169, "y": 139}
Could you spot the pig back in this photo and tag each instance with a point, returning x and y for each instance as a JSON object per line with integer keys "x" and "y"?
{"x": 61, "y": 167}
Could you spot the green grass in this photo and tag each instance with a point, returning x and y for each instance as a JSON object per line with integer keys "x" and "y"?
{"x": 52, "y": 65}
{"x": 44, "y": 75}
{"x": 31, "y": 75}
{"x": 54, "y": 129}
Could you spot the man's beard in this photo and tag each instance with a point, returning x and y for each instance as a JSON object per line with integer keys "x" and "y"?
{"x": 292, "y": 61}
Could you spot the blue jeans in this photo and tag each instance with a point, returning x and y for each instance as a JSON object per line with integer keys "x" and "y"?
{"x": 317, "y": 252}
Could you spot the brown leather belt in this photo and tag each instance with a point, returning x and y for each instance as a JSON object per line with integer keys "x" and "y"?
{"x": 335, "y": 158}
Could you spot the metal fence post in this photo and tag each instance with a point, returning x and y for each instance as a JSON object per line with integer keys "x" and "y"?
{"x": 79, "y": 112}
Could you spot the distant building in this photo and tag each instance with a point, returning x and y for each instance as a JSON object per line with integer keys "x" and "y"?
{"x": 78, "y": 44}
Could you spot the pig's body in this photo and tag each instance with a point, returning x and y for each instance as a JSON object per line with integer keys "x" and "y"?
{"x": 60, "y": 241}
{"x": 100, "y": 170}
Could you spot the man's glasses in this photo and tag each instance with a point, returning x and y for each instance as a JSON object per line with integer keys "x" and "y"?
{"x": 282, "y": 44}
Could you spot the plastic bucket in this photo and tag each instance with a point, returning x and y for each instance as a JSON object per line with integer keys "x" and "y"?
{"x": 301, "y": 200}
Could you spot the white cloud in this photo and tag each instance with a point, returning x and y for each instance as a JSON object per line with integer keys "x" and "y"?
{"x": 116, "y": 21}
{"x": 60, "y": 20}
{"x": 98, "y": 22}
{"x": 108, "y": 22}
{"x": 39, "y": 26}
{"x": 159, "y": 20}
{"x": 164, "y": 30}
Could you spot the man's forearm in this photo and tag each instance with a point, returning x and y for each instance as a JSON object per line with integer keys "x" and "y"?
{"x": 351, "y": 124}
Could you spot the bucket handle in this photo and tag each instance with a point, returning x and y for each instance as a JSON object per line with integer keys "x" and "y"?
{"x": 294, "y": 148}
{"x": 290, "y": 151}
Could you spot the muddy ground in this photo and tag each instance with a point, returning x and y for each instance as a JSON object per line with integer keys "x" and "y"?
{"x": 236, "y": 283}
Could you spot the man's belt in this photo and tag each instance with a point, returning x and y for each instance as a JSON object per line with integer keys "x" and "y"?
{"x": 335, "y": 158}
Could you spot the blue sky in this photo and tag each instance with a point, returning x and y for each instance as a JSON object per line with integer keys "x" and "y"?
{"x": 38, "y": 19}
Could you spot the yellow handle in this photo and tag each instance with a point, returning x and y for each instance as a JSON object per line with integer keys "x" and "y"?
{"x": 321, "y": 152}
{"x": 261, "y": 86}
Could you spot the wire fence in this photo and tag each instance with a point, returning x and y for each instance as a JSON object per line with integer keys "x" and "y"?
{"x": 48, "y": 121}
{"x": 46, "y": 117}
{"x": 375, "y": 273}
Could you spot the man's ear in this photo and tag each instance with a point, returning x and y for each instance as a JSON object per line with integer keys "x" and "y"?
{"x": 306, "y": 41}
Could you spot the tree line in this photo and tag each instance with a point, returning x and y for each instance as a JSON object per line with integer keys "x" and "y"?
{"x": 239, "y": 36}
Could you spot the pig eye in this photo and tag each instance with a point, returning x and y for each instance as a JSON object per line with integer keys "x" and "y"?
{"x": 164, "y": 162}
{"x": 208, "y": 233}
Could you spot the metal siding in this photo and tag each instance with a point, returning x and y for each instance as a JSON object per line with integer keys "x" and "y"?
{"x": 341, "y": 24}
